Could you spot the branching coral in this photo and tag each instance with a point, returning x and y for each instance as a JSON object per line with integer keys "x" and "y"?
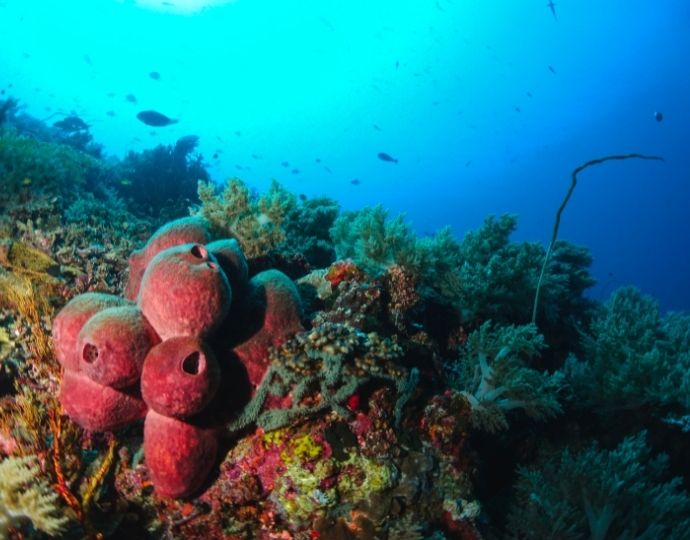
{"x": 493, "y": 375}
{"x": 319, "y": 369}
{"x": 24, "y": 496}
{"x": 601, "y": 494}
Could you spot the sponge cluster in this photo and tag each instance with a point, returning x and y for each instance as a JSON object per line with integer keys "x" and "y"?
{"x": 183, "y": 349}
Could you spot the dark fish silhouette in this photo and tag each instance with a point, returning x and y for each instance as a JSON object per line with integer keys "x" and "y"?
{"x": 552, "y": 7}
{"x": 318, "y": 160}
{"x": 110, "y": 113}
{"x": 295, "y": 171}
{"x": 285, "y": 163}
{"x": 327, "y": 170}
{"x": 355, "y": 182}
{"x": 551, "y": 69}
{"x": 215, "y": 155}
{"x": 529, "y": 94}
{"x": 155, "y": 75}
{"x": 131, "y": 98}
{"x": 376, "y": 127}
{"x": 71, "y": 123}
{"x": 385, "y": 157}
{"x": 155, "y": 119}
{"x": 256, "y": 156}
{"x": 302, "y": 197}
{"x": 659, "y": 117}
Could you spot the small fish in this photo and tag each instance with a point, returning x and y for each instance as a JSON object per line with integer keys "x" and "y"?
{"x": 2, "y": 91}
{"x": 27, "y": 181}
{"x": 328, "y": 170}
{"x": 131, "y": 98}
{"x": 552, "y": 7}
{"x": 376, "y": 127}
{"x": 295, "y": 171}
{"x": 215, "y": 155}
{"x": 110, "y": 113}
{"x": 397, "y": 64}
{"x": 517, "y": 109}
{"x": 355, "y": 182}
{"x": 468, "y": 163}
{"x": 385, "y": 157}
{"x": 256, "y": 156}
{"x": 156, "y": 119}
{"x": 87, "y": 59}
{"x": 71, "y": 124}
{"x": 155, "y": 75}
{"x": 302, "y": 197}
{"x": 658, "y": 116}
{"x": 285, "y": 164}
{"x": 529, "y": 94}
{"x": 239, "y": 167}
{"x": 111, "y": 94}
{"x": 551, "y": 69}
{"x": 238, "y": 133}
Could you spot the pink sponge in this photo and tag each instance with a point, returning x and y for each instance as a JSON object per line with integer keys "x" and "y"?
{"x": 179, "y": 455}
{"x": 97, "y": 407}
{"x": 271, "y": 312}
{"x": 184, "y": 292}
{"x": 112, "y": 346}
{"x": 180, "y": 377}
{"x": 233, "y": 262}
{"x": 181, "y": 231}
{"x": 69, "y": 322}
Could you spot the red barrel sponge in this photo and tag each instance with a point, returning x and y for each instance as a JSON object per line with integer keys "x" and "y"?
{"x": 184, "y": 292}
{"x": 180, "y": 377}
{"x": 181, "y": 231}
{"x": 97, "y": 407}
{"x": 69, "y": 322}
{"x": 271, "y": 314}
{"x": 178, "y": 455}
{"x": 112, "y": 346}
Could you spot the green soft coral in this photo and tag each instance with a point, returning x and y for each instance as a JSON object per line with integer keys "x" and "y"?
{"x": 633, "y": 356}
{"x": 25, "y": 497}
{"x": 256, "y": 222}
{"x": 601, "y": 494}
{"x": 26, "y": 163}
{"x": 493, "y": 374}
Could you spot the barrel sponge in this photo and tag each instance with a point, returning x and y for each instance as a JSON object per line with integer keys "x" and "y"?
{"x": 70, "y": 320}
{"x": 112, "y": 346}
{"x": 179, "y": 455}
{"x": 271, "y": 314}
{"x": 233, "y": 262}
{"x": 184, "y": 292}
{"x": 181, "y": 231}
{"x": 180, "y": 377}
{"x": 97, "y": 407}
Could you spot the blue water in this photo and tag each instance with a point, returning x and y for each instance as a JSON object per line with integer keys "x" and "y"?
{"x": 461, "y": 93}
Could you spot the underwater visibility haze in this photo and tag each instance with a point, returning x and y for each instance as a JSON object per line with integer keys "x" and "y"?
{"x": 353, "y": 270}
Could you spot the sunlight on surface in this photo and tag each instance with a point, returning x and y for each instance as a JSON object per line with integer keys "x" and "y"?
{"x": 183, "y": 7}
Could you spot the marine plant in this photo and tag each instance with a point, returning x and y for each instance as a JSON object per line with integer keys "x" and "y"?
{"x": 600, "y": 494}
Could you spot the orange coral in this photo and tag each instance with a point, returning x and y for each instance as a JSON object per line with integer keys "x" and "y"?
{"x": 343, "y": 271}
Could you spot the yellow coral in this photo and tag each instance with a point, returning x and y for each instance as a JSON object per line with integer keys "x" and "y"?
{"x": 373, "y": 477}
{"x": 23, "y": 496}
{"x": 303, "y": 448}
